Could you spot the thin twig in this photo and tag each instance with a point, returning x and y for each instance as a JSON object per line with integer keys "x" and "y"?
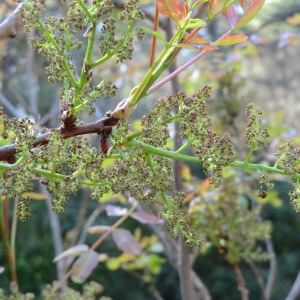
{"x": 272, "y": 268}
{"x": 240, "y": 282}
{"x": 10, "y": 26}
{"x": 43, "y": 139}
{"x": 295, "y": 290}
{"x": 259, "y": 279}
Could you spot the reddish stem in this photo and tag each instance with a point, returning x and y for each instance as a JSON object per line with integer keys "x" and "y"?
{"x": 154, "y": 39}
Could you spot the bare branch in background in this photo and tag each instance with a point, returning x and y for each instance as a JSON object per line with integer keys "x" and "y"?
{"x": 272, "y": 269}
{"x": 32, "y": 82}
{"x": 171, "y": 250}
{"x": 241, "y": 282}
{"x": 9, "y": 106}
{"x": 10, "y": 26}
{"x": 295, "y": 290}
{"x": 56, "y": 236}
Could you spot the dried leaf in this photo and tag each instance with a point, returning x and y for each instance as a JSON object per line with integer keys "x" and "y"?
{"x": 146, "y": 218}
{"x": 113, "y": 210}
{"x": 73, "y": 251}
{"x": 97, "y": 229}
{"x": 126, "y": 241}
{"x": 84, "y": 266}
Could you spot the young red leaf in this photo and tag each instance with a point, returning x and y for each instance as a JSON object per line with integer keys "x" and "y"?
{"x": 188, "y": 46}
{"x": 250, "y": 13}
{"x": 196, "y": 39}
{"x": 231, "y": 40}
{"x": 73, "y": 251}
{"x": 230, "y": 16}
{"x": 209, "y": 48}
{"x": 199, "y": 48}
{"x": 172, "y": 9}
{"x": 145, "y": 218}
{"x": 126, "y": 241}
{"x": 213, "y": 9}
{"x": 84, "y": 266}
{"x": 245, "y": 4}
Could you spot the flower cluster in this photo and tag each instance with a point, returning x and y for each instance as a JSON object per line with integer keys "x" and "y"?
{"x": 135, "y": 177}
{"x": 294, "y": 195}
{"x": 102, "y": 9}
{"x": 288, "y": 157}
{"x": 215, "y": 153}
{"x": 108, "y": 40}
{"x": 264, "y": 180}
{"x": 194, "y": 121}
{"x": 31, "y": 12}
{"x": 256, "y": 134}
{"x": 177, "y": 221}
{"x": 131, "y": 11}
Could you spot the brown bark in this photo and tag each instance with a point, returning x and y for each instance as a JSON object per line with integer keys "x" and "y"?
{"x": 10, "y": 26}
{"x": 42, "y": 139}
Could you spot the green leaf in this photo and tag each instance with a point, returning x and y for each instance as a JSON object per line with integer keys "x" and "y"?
{"x": 231, "y": 40}
{"x": 196, "y": 23}
{"x": 197, "y": 3}
{"x": 172, "y": 9}
{"x": 155, "y": 263}
{"x": 250, "y": 13}
{"x": 155, "y": 33}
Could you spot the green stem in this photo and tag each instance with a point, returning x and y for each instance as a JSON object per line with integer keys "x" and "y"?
{"x": 178, "y": 156}
{"x": 184, "y": 146}
{"x": 160, "y": 64}
{"x": 50, "y": 174}
{"x": 252, "y": 149}
{"x": 165, "y": 198}
{"x": 117, "y": 48}
{"x": 86, "y": 11}
{"x": 87, "y": 58}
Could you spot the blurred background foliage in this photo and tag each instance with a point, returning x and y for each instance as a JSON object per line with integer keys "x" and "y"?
{"x": 264, "y": 70}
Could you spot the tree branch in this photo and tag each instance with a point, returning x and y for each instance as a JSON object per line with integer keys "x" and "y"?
{"x": 295, "y": 290}
{"x": 10, "y": 26}
{"x": 241, "y": 282}
{"x": 43, "y": 139}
